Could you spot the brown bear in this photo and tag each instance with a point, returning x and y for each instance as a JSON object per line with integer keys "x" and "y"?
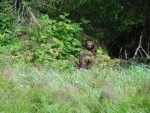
{"x": 86, "y": 57}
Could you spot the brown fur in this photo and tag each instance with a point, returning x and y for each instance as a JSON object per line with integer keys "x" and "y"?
{"x": 86, "y": 58}
{"x": 90, "y": 46}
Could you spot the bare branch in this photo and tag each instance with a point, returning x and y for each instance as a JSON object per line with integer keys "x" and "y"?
{"x": 140, "y": 52}
{"x": 148, "y": 49}
{"x": 126, "y": 56}
{"x": 137, "y": 49}
{"x": 140, "y": 46}
{"x": 145, "y": 52}
{"x": 23, "y": 7}
{"x": 32, "y": 15}
{"x": 21, "y": 14}
{"x": 16, "y": 5}
{"x": 120, "y": 52}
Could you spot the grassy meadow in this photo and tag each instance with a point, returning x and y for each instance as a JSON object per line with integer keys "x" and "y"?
{"x": 26, "y": 89}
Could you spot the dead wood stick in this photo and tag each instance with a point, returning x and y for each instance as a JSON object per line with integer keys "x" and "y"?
{"x": 137, "y": 49}
{"x": 148, "y": 47}
{"x": 145, "y": 52}
{"x": 140, "y": 52}
{"x": 32, "y": 15}
{"x": 140, "y": 46}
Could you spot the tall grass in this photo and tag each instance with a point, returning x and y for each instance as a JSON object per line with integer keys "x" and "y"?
{"x": 25, "y": 89}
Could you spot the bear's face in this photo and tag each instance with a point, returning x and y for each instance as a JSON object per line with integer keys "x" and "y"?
{"x": 89, "y": 45}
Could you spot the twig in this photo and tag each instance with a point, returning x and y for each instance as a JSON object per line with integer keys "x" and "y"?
{"x": 139, "y": 46}
{"x": 137, "y": 49}
{"x": 11, "y": 7}
{"x": 126, "y": 56}
{"x": 120, "y": 53}
{"x": 145, "y": 52}
{"x": 140, "y": 52}
{"x": 20, "y": 14}
{"x": 18, "y": 17}
{"x": 23, "y": 7}
{"x": 16, "y": 5}
{"x": 148, "y": 47}
{"x": 32, "y": 15}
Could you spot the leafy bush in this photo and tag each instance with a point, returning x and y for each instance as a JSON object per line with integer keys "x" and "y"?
{"x": 63, "y": 35}
{"x": 103, "y": 59}
{"x": 4, "y": 17}
{"x": 52, "y": 41}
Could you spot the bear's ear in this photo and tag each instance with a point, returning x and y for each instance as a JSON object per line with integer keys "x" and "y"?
{"x": 85, "y": 41}
{"x": 95, "y": 43}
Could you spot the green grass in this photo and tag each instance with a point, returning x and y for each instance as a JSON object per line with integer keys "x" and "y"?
{"x": 25, "y": 89}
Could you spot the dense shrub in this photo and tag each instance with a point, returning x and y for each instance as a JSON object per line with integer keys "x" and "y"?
{"x": 6, "y": 20}
{"x": 51, "y": 42}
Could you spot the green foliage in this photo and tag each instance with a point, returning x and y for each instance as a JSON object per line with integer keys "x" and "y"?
{"x": 4, "y": 21}
{"x": 6, "y": 17}
{"x": 6, "y": 27}
{"x": 51, "y": 40}
{"x": 102, "y": 59}
{"x": 6, "y": 38}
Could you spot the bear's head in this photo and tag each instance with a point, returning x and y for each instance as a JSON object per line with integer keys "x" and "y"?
{"x": 90, "y": 45}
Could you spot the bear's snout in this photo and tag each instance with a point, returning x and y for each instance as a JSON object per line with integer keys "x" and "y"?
{"x": 89, "y": 45}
